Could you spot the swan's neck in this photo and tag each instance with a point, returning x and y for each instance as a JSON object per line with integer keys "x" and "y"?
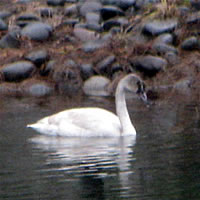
{"x": 122, "y": 112}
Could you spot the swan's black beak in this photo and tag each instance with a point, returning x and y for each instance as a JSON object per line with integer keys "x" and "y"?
{"x": 143, "y": 97}
{"x": 141, "y": 91}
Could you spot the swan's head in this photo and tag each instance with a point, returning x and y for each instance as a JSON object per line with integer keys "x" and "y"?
{"x": 133, "y": 83}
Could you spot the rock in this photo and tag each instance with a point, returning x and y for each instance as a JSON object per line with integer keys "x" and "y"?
{"x": 94, "y": 45}
{"x": 193, "y": 18}
{"x": 108, "y": 12}
{"x": 86, "y": 71}
{"x": 17, "y": 71}
{"x": 10, "y": 40}
{"x": 166, "y": 38}
{"x": 162, "y": 48}
{"x": 25, "y": 19}
{"x": 71, "y": 10}
{"x": 90, "y": 6}
{"x": 96, "y": 86}
{"x": 37, "y": 57}
{"x": 94, "y": 27}
{"x": 184, "y": 11}
{"x": 158, "y": 27}
{"x": 24, "y": 1}
{"x": 104, "y": 66}
{"x": 46, "y": 12}
{"x": 191, "y": 43}
{"x": 36, "y": 88}
{"x": 5, "y": 14}
{"x": 37, "y": 31}
{"x": 28, "y": 17}
{"x": 85, "y": 35}
{"x": 195, "y": 4}
{"x": 172, "y": 58}
{"x": 123, "y": 4}
{"x": 149, "y": 65}
{"x": 120, "y": 22}
{"x": 3, "y": 25}
{"x": 116, "y": 67}
{"x": 92, "y": 18}
{"x": 55, "y": 2}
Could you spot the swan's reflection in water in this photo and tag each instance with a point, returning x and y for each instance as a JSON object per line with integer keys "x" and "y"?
{"x": 89, "y": 156}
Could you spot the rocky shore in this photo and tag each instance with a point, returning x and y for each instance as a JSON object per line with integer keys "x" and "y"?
{"x": 84, "y": 46}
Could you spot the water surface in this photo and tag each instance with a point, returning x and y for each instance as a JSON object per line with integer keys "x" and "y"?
{"x": 162, "y": 162}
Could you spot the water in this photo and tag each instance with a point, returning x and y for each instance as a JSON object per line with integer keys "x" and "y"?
{"x": 163, "y": 162}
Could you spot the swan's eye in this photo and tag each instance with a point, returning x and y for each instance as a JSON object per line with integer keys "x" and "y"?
{"x": 141, "y": 87}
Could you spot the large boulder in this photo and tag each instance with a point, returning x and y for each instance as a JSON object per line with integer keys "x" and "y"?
{"x": 37, "y": 31}
{"x": 96, "y": 86}
{"x": 149, "y": 65}
{"x": 157, "y": 27}
{"x": 17, "y": 71}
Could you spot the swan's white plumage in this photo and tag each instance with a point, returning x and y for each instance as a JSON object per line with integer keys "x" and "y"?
{"x": 89, "y": 122}
{"x": 80, "y": 122}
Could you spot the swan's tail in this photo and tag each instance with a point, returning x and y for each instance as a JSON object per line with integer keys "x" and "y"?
{"x": 44, "y": 128}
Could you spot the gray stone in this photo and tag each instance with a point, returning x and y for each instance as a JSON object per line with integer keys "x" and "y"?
{"x": 37, "y": 89}
{"x": 149, "y": 65}
{"x": 46, "y": 12}
{"x": 166, "y": 38}
{"x": 28, "y": 17}
{"x": 191, "y": 43}
{"x": 162, "y": 48}
{"x": 37, "y": 31}
{"x": 86, "y": 71}
{"x": 71, "y": 10}
{"x": 5, "y": 14}
{"x": 123, "y": 4}
{"x": 92, "y": 18}
{"x": 94, "y": 45}
{"x": 172, "y": 58}
{"x": 193, "y": 18}
{"x": 56, "y": 2}
{"x": 158, "y": 27}
{"x": 85, "y": 35}
{"x": 195, "y": 4}
{"x": 94, "y": 27}
{"x": 90, "y": 6}
{"x": 3, "y": 25}
{"x": 108, "y": 12}
{"x": 10, "y": 40}
{"x": 17, "y": 71}
{"x": 118, "y": 22}
{"x": 24, "y": 1}
{"x": 38, "y": 57}
{"x": 96, "y": 86}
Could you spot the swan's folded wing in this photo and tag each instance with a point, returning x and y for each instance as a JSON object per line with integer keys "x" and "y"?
{"x": 86, "y": 120}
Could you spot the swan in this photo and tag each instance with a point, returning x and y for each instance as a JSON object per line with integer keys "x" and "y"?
{"x": 92, "y": 121}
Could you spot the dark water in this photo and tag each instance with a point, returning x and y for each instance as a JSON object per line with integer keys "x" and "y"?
{"x": 163, "y": 162}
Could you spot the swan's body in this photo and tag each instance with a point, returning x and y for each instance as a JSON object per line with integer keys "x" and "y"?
{"x": 89, "y": 122}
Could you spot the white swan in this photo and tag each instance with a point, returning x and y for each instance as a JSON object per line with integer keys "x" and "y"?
{"x": 89, "y": 122}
